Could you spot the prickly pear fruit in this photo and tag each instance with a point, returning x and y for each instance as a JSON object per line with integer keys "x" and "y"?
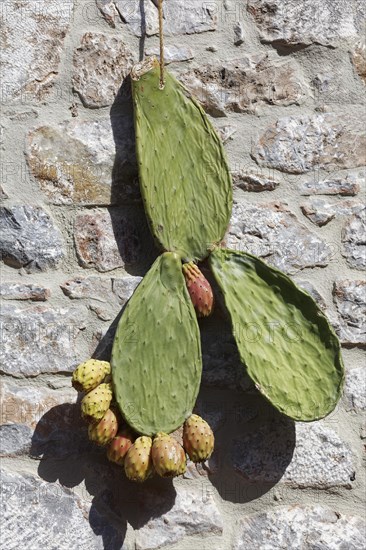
{"x": 199, "y": 289}
{"x": 168, "y": 456}
{"x": 96, "y": 403}
{"x": 138, "y": 461}
{"x": 119, "y": 446}
{"x": 198, "y": 438}
{"x": 103, "y": 431}
{"x": 90, "y": 374}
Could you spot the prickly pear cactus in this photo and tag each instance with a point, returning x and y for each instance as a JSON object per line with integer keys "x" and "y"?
{"x": 156, "y": 357}
{"x": 289, "y": 348}
{"x": 184, "y": 177}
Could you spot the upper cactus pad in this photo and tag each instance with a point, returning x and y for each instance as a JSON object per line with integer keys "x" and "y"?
{"x": 184, "y": 177}
{"x": 285, "y": 341}
{"x": 156, "y": 357}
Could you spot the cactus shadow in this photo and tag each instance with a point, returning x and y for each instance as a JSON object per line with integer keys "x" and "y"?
{"x": 254, "y": 443}
{"x": 60, "y": 443}
{"x": 134, "y": 240}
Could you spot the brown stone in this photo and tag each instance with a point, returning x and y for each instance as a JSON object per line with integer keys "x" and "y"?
{"x": 242, "y": 84}
{"x": 96, "y": 241}
{"x": 101, "y": 62}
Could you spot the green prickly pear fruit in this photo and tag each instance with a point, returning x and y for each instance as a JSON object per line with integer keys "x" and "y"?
{"x": 138, "y": 461}
{"x": 198, "y": 438}
{"x": 119, "y": 447}
{"x": 168, "y": 456}
{"x": 199, "y": 289}
{"x": 90, "y": 374}
{"x": 96, "y": 403}
{"x": 105, "y": 430}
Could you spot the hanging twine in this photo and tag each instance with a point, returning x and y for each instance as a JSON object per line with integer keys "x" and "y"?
{"x": 161, "y": 38}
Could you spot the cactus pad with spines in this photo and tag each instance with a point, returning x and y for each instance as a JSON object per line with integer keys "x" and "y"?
{"x": 184, "y": 177}
{"x": 287, "y": 344}
{"x": 156, "y": 357}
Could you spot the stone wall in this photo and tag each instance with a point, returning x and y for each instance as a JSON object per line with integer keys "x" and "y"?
{"x": 284, "y": 83}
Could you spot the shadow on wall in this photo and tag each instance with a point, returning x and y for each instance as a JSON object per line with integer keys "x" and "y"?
{"x": 134, "y": 240}
{"x": 254, "y": 445}
{"x": 66, "y": 455}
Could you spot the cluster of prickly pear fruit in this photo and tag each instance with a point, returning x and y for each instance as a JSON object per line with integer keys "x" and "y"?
{"x": 142, "y": 456}
{"x": 156, "y": 362}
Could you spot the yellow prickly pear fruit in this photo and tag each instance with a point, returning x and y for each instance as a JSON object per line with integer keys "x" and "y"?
{"x": 198, "y": 438}
{"x": 95, "y": 404}
{"x": 90, "y": 374}
{"x": 138, "y": 461}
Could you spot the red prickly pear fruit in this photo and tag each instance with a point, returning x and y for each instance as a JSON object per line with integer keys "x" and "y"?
{"x": 199, "y": 289}
{"x": 168, "y": 456}
{"x": 119, "y": 447}
{"x": 105, "y": 430}
{"x": 198, "y": 438}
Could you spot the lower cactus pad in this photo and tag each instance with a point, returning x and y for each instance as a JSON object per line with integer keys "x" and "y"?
{"x": 287, "y": 344}
{"x": 156, "y": 357}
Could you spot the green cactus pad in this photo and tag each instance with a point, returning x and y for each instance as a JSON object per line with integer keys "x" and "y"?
{"x": 288, "y": 346}
{"x": 184, "y": 177}
{"x": 156, "y": 357}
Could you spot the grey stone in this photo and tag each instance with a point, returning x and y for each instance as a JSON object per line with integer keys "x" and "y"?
{"x": 320, "y": 211}
{"x": 32, "y": 48}
{"x": 359, "y": 59}
{"x": 37, "y": 514}
{"x": 354, "y": 240}
{"x": 350, "y": 299}
{"x": 270, "y": 230}
{"x": 299, "y": 144}
{"x": 320, "y": 458}
{"x": 253, "y": 182}
{"x": 3, "y": 195}
{"x": 188, "y": 17}
{"x": 29, "y": 238}
{"x": 19, "y": 291}
{"x": 15, "y": 439}
{"x": 141, "y": 17}
{"x": 124, "y": 287}
{"x": 96, "y": 241}
{"x": 95, "y": 288}
{"x": 290, "y": 22}
{"x": 77, "y": 162}
{"x": 226, "y": 132}
{"x": 193, "y": 512}
{"x": 238, "y": 34}
{"x": 355, "y": 389}
{"x": 240, "y": 85}
{"x": 172, "y": 53}
{"x": 100, "y": 64}
{"x": 347, "y": 186}
{"x": 109, "y": 11}
{"x": 40, "y": 339}
{"x": 310, "y": 289}
{"x": 300, "y": 528}
{"x": 43, "y": 421}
